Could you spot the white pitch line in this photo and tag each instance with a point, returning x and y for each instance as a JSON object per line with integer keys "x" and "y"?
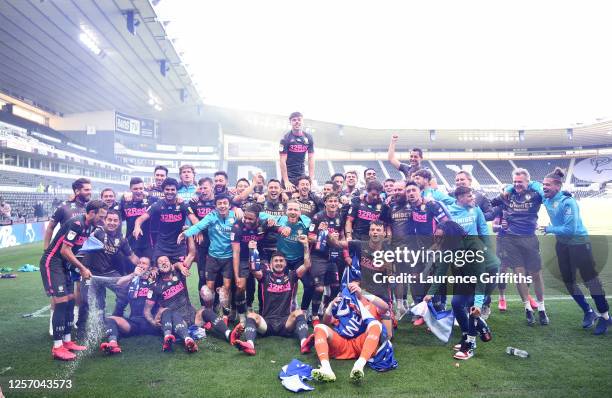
{"x": 551, "y": 298}
{"x": 37, "y": 313}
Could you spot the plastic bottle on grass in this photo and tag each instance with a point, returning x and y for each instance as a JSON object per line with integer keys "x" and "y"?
{"x": 517, "y": 352}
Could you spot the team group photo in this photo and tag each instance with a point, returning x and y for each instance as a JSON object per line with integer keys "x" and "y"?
{"x": 168, "y": 227}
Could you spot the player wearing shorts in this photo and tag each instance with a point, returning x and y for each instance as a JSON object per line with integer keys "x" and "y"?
{"x": 426, "y": 215}
{"x": 138, "y": 285}
{"x": 520, "y": 205}
{"x": 574, "y": 251}
{"x": 171, "y": 217}
{"x": 175, "y": 313}
{"x": 130, "y": 210}
{"x": 160, "y": 173}
{"x": 293, "y": 148}
{"x": 468, "y": 298}
{"x": 329, "y": 343}
{"x": 66, "y": 210}
{"x": 468, "y": 214}
{"x": 201, "y": 207}
{"x": 278, "y": 285}
{"x": 324, "y": 257}
{"x": 219, "y": 225}
{"x": 398, "y": 215}
{"x": 289, "y": 228}
{"x": 55, "y": 266}
{"x": 247, "y": 235}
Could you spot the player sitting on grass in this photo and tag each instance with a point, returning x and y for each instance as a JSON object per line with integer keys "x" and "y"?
{"x": 278, "y": 287}
{"x": 346, "y": 340}
{"x": 175, "y": 313}
{"x": 140, "y": 283}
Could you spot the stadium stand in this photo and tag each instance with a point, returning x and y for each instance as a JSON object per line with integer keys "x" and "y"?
{"x": 358, "y": 165}
{"x": 501, "y": 168}
{"x": 450, "y": 168}
{"x": 245, "y": 169}
{"x": 393, "y": 172}
{"x": 321, "y": 172}
{"x": 539, "y": 168}
{"x": 22, "y": 204}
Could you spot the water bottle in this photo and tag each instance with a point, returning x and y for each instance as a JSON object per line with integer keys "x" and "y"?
{"x": 517, "y": 352}
{"x": 254, "y": 260}
{"x": 321, "y": 240}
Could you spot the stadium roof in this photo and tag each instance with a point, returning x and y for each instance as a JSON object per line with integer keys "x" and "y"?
{"x": 351, "y": 138}
{"x": 71, "y": 56}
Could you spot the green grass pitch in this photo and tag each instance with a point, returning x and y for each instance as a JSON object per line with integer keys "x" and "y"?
{"x": 565, "y": 360}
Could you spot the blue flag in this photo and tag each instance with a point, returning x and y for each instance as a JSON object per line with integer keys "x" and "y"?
{"x": 92, "y": 244}
{"x": 384, "y": 358}
{"x": 439, "y": 322}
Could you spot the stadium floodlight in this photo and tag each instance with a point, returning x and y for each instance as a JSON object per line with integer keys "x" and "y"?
{"x": 131, "y": 21}
{"x": 163, "y": 67}
{"x": 89, "y": 39}
{"x": 157, "y": 107}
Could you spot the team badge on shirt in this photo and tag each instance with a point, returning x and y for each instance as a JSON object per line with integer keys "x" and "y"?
{"x": 71, "y": 235}
{"x": 281, "y": 148}
{"x": 527, "y": 196}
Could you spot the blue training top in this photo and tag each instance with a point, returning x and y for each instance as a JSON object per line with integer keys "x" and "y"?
{"x": 565, "y": 219}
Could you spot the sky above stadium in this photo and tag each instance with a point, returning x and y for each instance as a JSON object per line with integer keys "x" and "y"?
{"x": 402, "y": 64}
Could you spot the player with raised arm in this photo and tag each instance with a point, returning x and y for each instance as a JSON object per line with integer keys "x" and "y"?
{"x": 416, "y": 157}
{"x": 56, "y": 264}
{"x": 278, "y": 286}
